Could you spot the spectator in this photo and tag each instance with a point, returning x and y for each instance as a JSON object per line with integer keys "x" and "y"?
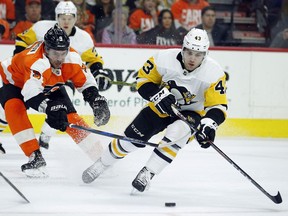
{"x": 85, "y": 19}
{"x": 103, "y": 16}
{"x": 145, "y": 17}
{"x": 217, "y": 34}
{"x": 46, "y": 14}
{"x": 282, "y": 23}
{"x": 7, "y": 12}
{"x": 281, "y": 40}
{"x": 33, "y": 14}
{"x": 4, "y": 29}
{"x": 127, "y": 36}
{"x": 132, "y": 5}
{"x": 187, "y": 13}
{"x": 164, "y": 33}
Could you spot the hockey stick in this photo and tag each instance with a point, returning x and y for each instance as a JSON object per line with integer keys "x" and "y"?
{"x": 276, "y": 199}
{"x": 104, "y": 133}
{"x": 122, "y": 83}
{"x": 117, "y": 82}
{"x": 14, "y": 187}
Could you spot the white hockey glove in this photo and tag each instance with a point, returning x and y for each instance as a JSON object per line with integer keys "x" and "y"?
{"x": 163, "y": 100}
{"x": 102, "y": 79}
{"x": 206, "y": 132}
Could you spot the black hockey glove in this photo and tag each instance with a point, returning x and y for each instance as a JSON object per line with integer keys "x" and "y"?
{"x": 102, "y": 79}
{"x": 163, "y": 101}
{"x": 100, "y": 110}
{"x": 206, "y": 132}
{"x": 56, "y": 115}
{"x": 98, "y": 104}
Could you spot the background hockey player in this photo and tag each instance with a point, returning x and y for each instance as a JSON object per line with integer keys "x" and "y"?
{"x": 34, "y": 78}
{"x": 66, "y": 17}
{"x": 187, "y": 78}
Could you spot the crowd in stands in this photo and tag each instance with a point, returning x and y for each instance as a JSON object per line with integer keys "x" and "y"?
{"x": 153, "y": 22}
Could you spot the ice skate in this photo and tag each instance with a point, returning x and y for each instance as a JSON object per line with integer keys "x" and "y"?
{"x": 94, "y": 171}
{"x": 44, "y": 140}
{"x": 142, "y": 180}
{"x": 35, "y": 167}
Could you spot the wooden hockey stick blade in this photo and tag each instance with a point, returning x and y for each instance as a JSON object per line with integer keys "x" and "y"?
{"x": 276, "y": 199}
{"x": 14, "y": 187}
{"x": 104, "y": 133}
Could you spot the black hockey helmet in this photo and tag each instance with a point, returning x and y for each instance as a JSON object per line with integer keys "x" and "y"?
{"x": 56, "y": 38}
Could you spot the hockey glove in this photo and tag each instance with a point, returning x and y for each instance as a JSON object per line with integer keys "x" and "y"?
{"x": 102, "y": 79}
{"x": 57, "y": 115}
{"x": 206, "y": 132}
{"x": 100, "y": 110}
{"x": 163, "y": 101}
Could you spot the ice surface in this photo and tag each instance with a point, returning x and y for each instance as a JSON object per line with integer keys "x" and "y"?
{"x": 200, "y": 181}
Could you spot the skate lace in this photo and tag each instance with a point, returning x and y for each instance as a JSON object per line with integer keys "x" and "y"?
{"x": 144, "y": 177}
{"x": 97, "y": 169}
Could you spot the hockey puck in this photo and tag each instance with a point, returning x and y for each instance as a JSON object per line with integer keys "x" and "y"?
{"x": 170, "y": 204}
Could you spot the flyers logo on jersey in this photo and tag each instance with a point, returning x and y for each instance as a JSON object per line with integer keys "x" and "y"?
{"x": 36, "y": 74}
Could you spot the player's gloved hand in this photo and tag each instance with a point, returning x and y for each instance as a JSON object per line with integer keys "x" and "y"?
{"x": 102, "y": 79}
{"x": 206, "y": 132}
{"x": 100, "y": 110}
{"x": 163, "y": 101}
{"x": 56, "y": 115}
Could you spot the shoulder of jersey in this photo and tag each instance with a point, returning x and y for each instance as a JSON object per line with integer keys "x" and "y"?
{"x": 83, "y": 34}
{"x": 167, "y": 55}
{"x": 41, "y": 27}
{"x": 211, "y": 70}
{"x": 44, "y": 24}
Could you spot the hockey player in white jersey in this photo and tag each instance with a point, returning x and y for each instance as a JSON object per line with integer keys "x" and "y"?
{"x": 187, "y": 78}
{"x": 80, "y": 40}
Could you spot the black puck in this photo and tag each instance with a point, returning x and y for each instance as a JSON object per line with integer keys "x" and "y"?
{"x": 170, "y": 204}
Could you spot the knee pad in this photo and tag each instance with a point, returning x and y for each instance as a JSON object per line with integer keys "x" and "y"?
{"x": 178, "y": 132}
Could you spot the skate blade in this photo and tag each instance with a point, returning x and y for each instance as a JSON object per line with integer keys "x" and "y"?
{"x": 37, "y": 173}
{"x": 135, "y": 192}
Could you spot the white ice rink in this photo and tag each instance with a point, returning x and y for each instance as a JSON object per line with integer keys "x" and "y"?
{"x": 199, "y": 181}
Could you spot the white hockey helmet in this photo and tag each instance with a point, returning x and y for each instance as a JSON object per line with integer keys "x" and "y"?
{"x": 196, "y": 39}
{"x": 65, "y": 7}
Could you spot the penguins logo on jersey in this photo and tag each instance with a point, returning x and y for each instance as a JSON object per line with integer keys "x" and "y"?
{"x": 182, "y": 95}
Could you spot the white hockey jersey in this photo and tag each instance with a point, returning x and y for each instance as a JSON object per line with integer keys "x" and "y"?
{"x": 199, "y": 90}
{"x": 80, "y": 40}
